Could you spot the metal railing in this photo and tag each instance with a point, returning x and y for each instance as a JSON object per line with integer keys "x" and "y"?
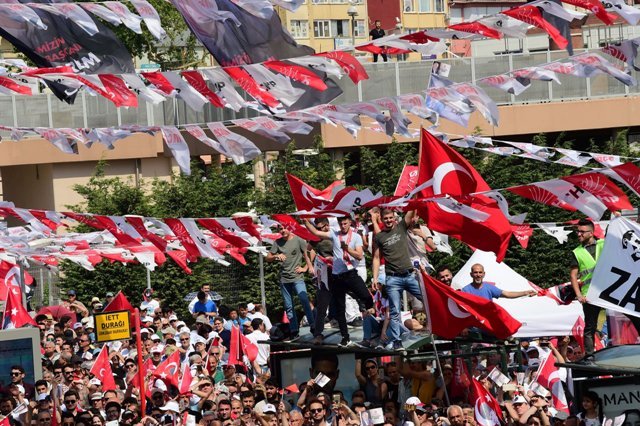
{"x": 385, "y": 79}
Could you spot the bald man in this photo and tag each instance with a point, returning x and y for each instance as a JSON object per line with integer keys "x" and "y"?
{"x": 488, "y": 291}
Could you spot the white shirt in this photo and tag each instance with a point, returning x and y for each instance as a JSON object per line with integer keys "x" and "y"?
{"x": 263, "y": 349}
{"x": 264, "y": 318}
{"x": 150, "y": 306}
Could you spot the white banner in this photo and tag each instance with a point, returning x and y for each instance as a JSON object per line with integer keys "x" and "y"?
{"x": 615, "y": 283}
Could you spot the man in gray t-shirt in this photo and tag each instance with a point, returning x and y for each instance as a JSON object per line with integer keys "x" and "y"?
{"x": 391, "y": 243}
{"x": 291, "y": 250}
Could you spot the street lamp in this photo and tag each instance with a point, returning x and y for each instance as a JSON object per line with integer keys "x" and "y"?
{"x": 353, "y": 12}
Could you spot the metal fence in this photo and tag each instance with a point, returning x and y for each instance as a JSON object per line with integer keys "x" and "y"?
{"x": 385, "y": 79}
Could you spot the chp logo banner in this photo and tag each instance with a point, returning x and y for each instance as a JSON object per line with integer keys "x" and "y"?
{"x": 615, "y": 283}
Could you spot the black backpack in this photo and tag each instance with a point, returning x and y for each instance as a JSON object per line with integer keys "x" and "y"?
{"x": 279, "y": 332}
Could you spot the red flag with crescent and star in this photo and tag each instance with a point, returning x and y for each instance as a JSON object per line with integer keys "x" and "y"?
{"x": 168, "y": 370}
{"x": 307, "y": 197}
{"x": 478, "y": 222}
{"x": 102, "y": 370}
{"x": 487, "y": 410}
{"x": 455, "y": 311}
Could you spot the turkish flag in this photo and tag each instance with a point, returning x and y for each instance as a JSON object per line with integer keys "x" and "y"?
{"x": 460, "y": 383}
{"x": 307, "y": 197}
{"x": 522, "y": 233}
{"x": 285, "y": 318}
{"x": 101, "y": 369}
{"x": 185, "y": 380}
{"x": 240, "y": 346}
{"x": 443, "y": 171}
{"x": 455, "y": 311}
{"x": 407, "y": 180}
{"x": 15, "y": 314}
{"x": 486, "y": 409}
{"x": 541, "y": 195}
{"x": 578, "y": 332}
{"x": 548, "y": 376}
{"x": 294, "y": 227}
{"x": 532, "y": 15}
{"x": 119, "y": 303}
{"x": 168, "y": 369}
{"x": 10, "y": 278}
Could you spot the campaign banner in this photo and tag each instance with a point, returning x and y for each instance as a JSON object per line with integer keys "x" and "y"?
{"x": 615, "y": 283}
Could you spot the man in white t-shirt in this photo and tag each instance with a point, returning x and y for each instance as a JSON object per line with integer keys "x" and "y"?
{"x": 259, "y": 334}
{"x": 347, "y": 253}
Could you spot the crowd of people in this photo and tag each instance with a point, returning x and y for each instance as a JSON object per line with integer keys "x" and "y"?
{"x": 224, "y": 390}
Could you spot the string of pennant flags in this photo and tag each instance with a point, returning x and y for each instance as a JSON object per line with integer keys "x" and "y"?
{"x": 444, "y": 99}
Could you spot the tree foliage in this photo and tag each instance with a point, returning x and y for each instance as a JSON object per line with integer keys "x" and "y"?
{"x": 177, "y": 51}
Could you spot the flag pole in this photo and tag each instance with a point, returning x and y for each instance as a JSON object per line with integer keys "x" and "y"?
{"x": 263, "y": 292}
{"x": 433, "y": 342}
{"x": 143, "y": 393}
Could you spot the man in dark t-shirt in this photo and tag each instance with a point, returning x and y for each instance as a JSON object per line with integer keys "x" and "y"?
{"x": 392, "y": 244}
{"x": 377, "y": 33}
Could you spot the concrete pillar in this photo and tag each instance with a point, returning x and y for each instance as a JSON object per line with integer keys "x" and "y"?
{"x": 337, "y": 156}
{"x": 259, "y": 170}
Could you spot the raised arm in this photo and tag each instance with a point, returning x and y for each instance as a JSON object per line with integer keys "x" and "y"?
{"x": 315, "y": 231}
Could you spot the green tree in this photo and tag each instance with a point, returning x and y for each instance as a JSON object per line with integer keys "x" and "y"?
{"x": 381, "y": 169}
{"x": 179, "y": 50}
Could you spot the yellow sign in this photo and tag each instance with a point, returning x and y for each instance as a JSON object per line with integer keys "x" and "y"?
{"x": 111, "y": 326}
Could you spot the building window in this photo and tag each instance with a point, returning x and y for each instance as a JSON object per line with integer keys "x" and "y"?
{"x": 319, "y": 1}
{"x": 300, "y": 28}
{"x": 340, "y": 28}
{"x": 439, "y": 5}
{"x": 408, "y": 6}
{"x": 360, "y": 28}
{"x": 424, "y": 5}
{"x": 321, "y": 28}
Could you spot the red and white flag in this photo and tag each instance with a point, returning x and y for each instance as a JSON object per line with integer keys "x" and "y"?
{"x": 452, "y": 311}
{"x": 596, "y": 7}
{"x": 532, "y": 15}
{"x": 233, "y": 145}
{"x": 522, "y": 233}
{"x": 186, "y": 379}
{"x": 598, "y": 62}
{"x": 224, "y": 88}
{"x": 629, "y": 174}
{"x": 294, "y": 227}
{"x": 407, "y": 181}
{"x": 263, "y": 126}
{"x": 251, "y": 86}
{"x": 476, "y": 27}
{"x": 578, "y": 332}
{"x": 602, "y": 188}
{"x": 297, "y": 73}
{"x": 150, "y": 17}
{"x": 137, "y": 223}
{"x": 487, "y": 410}
{"x": 128, "y": 18}
{"x": 73, "y": 12}
{"x": 541, "y": 195}
{"x": 101, "y": 369}
{"x": 15, "y": 314}
{"x": 628, "y": 12}
{"x": 443, "y": 171}
{"x": 196, "y": 80}
{"x": 513, "y": 85}
{"x": 185, "y": 91}
{"x": 548, "y": 376}
{"x": 306, "y": 197}
{"x": 349, "y": 64}
{"x": 571, "y": 194}
{"x": 625, "y": 51}
{"x": 241, "y": 347}
{"x": 178, "y": 147}
{"x": 215, "y": 227}
{"x": 168, "y": 369}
